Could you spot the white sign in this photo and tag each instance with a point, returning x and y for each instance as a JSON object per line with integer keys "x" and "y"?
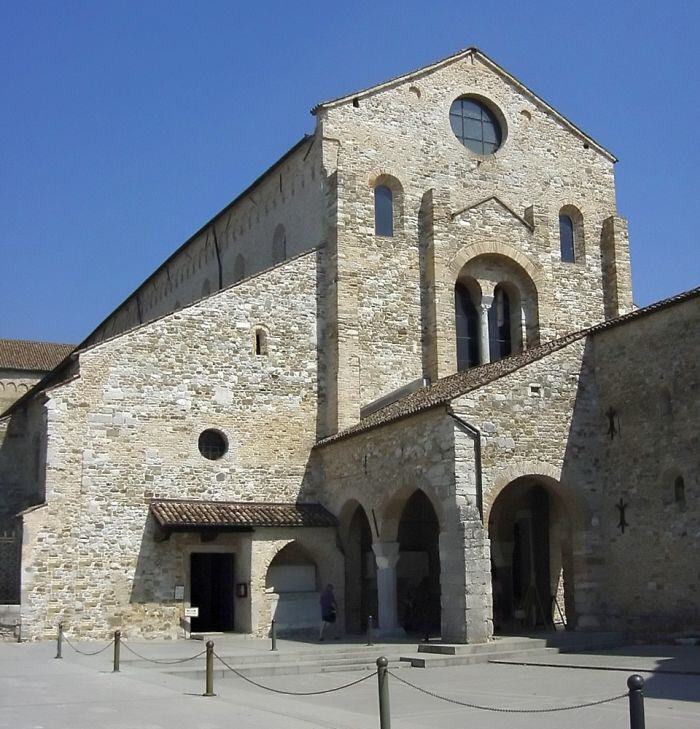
{"x": 192, "y": 612}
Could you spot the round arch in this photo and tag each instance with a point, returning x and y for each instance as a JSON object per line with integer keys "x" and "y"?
{"x": 473, "y": 250}
{"x": 535, "y": 527}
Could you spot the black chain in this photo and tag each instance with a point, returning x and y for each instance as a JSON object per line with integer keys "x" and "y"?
{"x": 504, "y": 710}
{"x": 87, "y": 653}
{"x": 294, "y": 693}
{"x": 162, "y": 661}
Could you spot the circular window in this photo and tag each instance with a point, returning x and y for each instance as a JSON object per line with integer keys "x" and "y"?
{"x": 212, "y": 444}
{"x": 475, "y": 125}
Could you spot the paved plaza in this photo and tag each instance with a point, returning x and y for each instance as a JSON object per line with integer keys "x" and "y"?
{"x": 81, "y": 692}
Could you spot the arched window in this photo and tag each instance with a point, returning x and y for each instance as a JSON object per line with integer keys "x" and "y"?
{"x": 260, "y": 344}
{"x": 500, "y": 341}
{"x": 679, "y": 491}
{"x": 467, "y": 325}
{"x": 279, "y": 245}
{"x": 567, "y": 239}
{"x": 383, "y": 211}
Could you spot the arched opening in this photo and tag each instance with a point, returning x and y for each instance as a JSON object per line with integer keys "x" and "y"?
{"x": 260, "y": 342}
{"x": 531, "y": 535}
{"x": 360, "y": 573}
{"x": 383, "y": 210}
{"x": 467, "y": 326}
{"x": 571, "y": 243}
{"x": 291, "y": 586}
{"x": 418, "y": 567}
{"x": 501, "y": 324}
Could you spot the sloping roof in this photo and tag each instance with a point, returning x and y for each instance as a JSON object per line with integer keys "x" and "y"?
{"x": 471, "y": 51}
{"x": 453, "y": 386}
{"x": 183, "y": 513}
{"x": 24, "y": 354}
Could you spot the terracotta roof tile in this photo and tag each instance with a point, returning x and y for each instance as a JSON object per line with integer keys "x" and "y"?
{"x": 448, "y": 388}
{"x": 22, "y": 354}
{"x": 174, "y": 513}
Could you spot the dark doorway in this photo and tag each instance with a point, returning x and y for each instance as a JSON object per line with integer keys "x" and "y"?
{"x": 360, "y": 574}
{"x": 211, "y": 590}
{"x": 418, "y": 569}
{"x": 526, "y": 567}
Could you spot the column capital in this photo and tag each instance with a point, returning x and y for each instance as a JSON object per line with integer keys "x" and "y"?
{"x": 386, "y": 554}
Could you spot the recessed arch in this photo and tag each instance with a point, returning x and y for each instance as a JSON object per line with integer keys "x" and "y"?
{"x": 535, "y": 534}
{"x": 572, "y": 242}
{"x": 473, "y": 250}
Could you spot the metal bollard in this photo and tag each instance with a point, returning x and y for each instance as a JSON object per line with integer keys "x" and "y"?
{"x": 370, "y": 630}
{"x": 117, "y": 647}
{"x": 59, "y": 641}
{"x": 209, "y": 688}
{"x": 635, "y": 684}
{"x": 273, "y": 636}
{"x": 383, "y": 681}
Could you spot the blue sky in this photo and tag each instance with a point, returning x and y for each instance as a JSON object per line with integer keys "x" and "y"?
{"x": 126, "y": 125}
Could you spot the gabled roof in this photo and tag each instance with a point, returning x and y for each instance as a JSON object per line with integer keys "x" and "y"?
{"x": 24, "y": 354}
{"x": 442, "y": 392}
{"x": 459, "y": 55}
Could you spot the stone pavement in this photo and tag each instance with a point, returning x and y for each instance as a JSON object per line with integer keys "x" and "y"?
{"x": 39, "y": 692}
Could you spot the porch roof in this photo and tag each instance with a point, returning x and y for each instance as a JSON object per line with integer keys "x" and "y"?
{"x": 186, "y": 514}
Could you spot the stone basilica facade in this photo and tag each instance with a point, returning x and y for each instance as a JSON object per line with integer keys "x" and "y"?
{"x": 405, "y": 361}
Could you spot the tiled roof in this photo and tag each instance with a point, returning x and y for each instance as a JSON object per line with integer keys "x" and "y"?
{"x": 21, "y": 354}
{"x": 448, "y": 388}
{"x": 174, "y": 513}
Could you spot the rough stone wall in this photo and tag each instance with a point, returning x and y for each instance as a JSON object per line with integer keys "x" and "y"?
{"x": 403, "y": 131}
{"x": 126, "y": 430}
{"x": 648, "y": 373}
{"x": 381, "y": 469}
{"x": 291, "y": 195}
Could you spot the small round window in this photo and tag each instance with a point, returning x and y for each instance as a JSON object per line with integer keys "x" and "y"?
{"x": 475, "y": 125}
{"x": 212, "y": 444}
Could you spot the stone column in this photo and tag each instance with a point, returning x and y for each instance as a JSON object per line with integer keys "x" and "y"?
{"x": 484, "y": 344}
{"x": 386, "y": 555}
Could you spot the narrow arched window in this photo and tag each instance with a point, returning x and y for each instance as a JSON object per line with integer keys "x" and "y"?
{"x": 566, "y": 239}
{"x": 383, "y": 211}
{"x": 679, "y": 491}
{"x": 467, "y": 325}
{"x": 260, "y": 343}
{"x": 500, "y": 341}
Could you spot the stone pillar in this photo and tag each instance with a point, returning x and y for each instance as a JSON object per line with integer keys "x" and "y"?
{"x": 386, "y": 555}
{"x": 484, "y": 344}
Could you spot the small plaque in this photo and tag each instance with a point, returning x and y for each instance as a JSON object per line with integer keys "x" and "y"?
{"x": 192, "y": 612}
{"x": 179, "y": 592}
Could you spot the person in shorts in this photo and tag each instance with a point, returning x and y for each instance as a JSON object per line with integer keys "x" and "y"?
{"x": 329, "y": 610}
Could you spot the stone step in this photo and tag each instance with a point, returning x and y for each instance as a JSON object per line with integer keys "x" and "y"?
{"x": 359, "y": 654}
{"x": 565, "y": 641}
{"x": 287, "y": 668}
{"x": 436, "y": 660}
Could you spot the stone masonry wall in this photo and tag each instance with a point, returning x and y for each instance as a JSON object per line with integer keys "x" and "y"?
{"x": 291, "y": 195}
{"x": 648, "y": 374}
{"x": 380, "y": 470}
{"x": 126, "y": 430}
{"x": 402, "y": 132}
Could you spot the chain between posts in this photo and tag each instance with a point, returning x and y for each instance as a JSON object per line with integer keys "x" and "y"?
{"x": 504, "y": 710}
{"x": 292, "y": 693}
